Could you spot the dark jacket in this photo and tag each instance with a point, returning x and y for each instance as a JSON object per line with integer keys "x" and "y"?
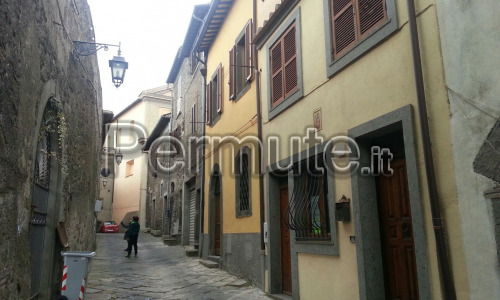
{"x": 133, "y": 228}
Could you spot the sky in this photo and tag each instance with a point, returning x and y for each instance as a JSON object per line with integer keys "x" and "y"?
{"x": 150, "y": 32}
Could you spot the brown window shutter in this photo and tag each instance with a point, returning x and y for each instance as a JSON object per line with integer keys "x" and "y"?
{"x": 208, "y": 103}
{"x": 220, "y": 79}
{"x": 290, "y": 60}
{"x": 248, "y": 52}
{"x": 232, "y": 73}
{"x": 276, "y": 73}
{"x": 343, "y": 26}
{"x": 372, "y": 13}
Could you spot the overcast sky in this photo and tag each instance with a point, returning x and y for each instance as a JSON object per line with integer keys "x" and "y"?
{"x": 150, "y": 32}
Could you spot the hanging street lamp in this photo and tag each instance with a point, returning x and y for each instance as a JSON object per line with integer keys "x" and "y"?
{"x": 118, "y": 64}
{"x": 119, "y": 157}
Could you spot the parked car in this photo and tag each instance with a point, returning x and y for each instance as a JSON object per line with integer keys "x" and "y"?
{"x": 109, "y": 226}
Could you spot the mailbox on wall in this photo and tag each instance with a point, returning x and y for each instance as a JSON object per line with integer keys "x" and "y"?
{"x": 342, "y": 210}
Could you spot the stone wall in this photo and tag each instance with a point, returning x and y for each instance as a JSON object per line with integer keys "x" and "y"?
{"x": 471, "y": 58}
{"x": 37, "y": 64}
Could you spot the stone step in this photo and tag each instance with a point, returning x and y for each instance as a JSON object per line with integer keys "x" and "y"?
{"x": 209, "y": 264}
{"x": 239, "y": 283}
{"x": 214, "y": 258}
{"x": 191, "y": 251}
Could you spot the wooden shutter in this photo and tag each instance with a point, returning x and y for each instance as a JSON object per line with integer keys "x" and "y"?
{"x": 352, "y": 20}
{"x": 372, "y": 13}
{"x": 220, "y": 79}
{"x": 208, "y": 103}
{"x": 290, "y": 61}
{"x": 343, "y": 26}
{"x": 248, "y": 52}
{"x": 277, "y": 94}
{"x": 232, "y": 73}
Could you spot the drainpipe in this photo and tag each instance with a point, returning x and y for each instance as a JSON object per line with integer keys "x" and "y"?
{"x": 203, "y": 72}
{"x": 437, "y": 220}
{"x": 259, "y": 131}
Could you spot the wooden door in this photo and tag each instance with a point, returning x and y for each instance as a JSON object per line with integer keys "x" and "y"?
{"x": 286, "y": 265}
{"x": 397, "y": 235}
{"x": 217, "y": 232}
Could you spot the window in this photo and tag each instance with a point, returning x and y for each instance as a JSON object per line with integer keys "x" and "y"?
{"x": 241, "y": 63}
{"x": 284, "y": 64}
{"x": 355, "y": 22}
{"x": 129, "y": 171}
{"x": 308, "y": 206}
{"x": 284, "y": 67}
{"x": 214, "y": 97}
{"x": 243, "y": 183}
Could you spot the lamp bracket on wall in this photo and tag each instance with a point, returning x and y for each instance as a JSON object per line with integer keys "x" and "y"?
{"x": 89, "y": 48}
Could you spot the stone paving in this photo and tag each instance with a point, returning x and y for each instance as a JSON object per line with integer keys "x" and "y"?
{"x": 158, "y": 272}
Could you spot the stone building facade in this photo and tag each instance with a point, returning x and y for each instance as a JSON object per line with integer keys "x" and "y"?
{"x": 182, "y": 184}
{"x": 50, "y": 125}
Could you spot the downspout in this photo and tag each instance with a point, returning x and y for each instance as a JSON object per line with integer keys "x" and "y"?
{"x": 437, "y": 220}
{"x": 259, "y": 132}
{"x": 203, "y": 72}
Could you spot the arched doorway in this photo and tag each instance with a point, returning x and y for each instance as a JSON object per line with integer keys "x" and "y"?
{"x": 44, "y": 242}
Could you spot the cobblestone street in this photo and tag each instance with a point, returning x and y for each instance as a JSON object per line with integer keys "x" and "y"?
{"x": 158, "y": 272}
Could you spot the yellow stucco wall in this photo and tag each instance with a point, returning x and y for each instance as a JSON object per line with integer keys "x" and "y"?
{"x": 377, "y": 83}
{"x": 127, "y": 188}
{"x": 238, "y": 119}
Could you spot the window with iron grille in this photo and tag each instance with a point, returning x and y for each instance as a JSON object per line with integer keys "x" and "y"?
{"x": 355, "y": 22}
{"x": 243, "y": 182}
{"x": 284, "y": 65}
{"x": 307, "y": 210}
{"x": 241, "y": 63}
{"x": 214, "y": 97}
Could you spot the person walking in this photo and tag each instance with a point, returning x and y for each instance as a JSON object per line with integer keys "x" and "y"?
{"x": 133, "y": 235}
{"x": 125, "y": 236}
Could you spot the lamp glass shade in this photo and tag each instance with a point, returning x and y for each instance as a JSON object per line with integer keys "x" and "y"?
{"x": 118, "y": 157}
{"x": 118, "y": 67}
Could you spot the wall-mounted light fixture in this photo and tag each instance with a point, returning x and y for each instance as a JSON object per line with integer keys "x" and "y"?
{"x": 118, "y": 157}
{"x": 118, "y": 64}
{"x": 118, "y": 154}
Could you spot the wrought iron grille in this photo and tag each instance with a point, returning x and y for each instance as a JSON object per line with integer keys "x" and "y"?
{"x": 42, "y": 164}
{"x": 307, "y": 210}
{"x": 244, "y": 184}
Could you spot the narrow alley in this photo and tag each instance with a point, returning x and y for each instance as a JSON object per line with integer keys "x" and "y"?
{"x": 158, "y": 272}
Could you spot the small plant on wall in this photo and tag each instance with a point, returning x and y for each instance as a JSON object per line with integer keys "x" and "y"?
{"x": 54, "y": 122}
